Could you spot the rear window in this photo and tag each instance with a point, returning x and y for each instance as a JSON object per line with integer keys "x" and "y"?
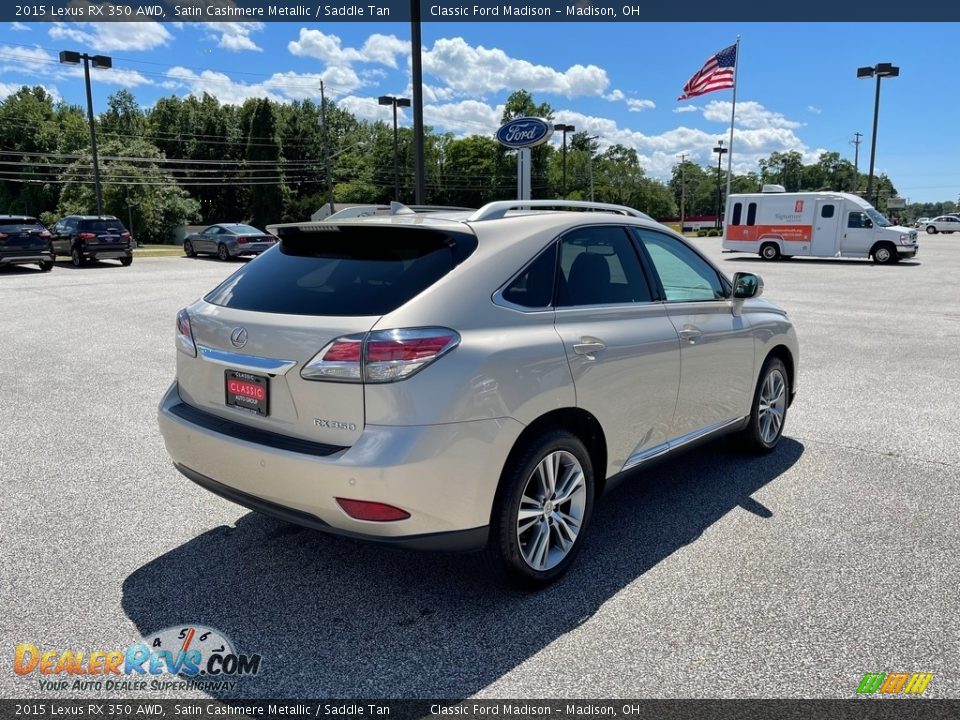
{"x": 243, "y": 230}
{"x": 361, "y": 270}
{"x": 15, "y": 225}
{"x": 102, "y": 226}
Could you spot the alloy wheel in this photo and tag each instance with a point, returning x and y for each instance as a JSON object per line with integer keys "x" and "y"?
{"x": 772, "y": 406}
{"x": 551, "y": 510}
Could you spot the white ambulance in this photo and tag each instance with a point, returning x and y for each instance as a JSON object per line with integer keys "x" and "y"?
{"x": 776, "y": 224}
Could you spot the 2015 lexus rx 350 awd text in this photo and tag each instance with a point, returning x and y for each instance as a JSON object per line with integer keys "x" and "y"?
{"x": 469, "y": 380}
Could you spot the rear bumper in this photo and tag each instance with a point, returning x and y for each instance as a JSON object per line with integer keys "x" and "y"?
{"x": 106, "y": 253}
{"x": 241, "y": 250}
{"x": 26, "y": 258}
{"x": 445, "y": 476}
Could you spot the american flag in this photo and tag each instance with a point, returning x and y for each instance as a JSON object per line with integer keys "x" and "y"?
{"x": 716, "y": 74}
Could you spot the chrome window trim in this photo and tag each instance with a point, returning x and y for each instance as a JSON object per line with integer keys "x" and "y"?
{"x": 670, "y": 445}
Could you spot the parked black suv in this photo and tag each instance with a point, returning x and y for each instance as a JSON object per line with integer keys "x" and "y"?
{"x": 92, "y": 237}
{"x": 24, "y": 241}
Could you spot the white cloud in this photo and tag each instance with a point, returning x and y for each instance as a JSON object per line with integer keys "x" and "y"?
{"x": 467, "y": 117}
{"x": 750, "y": 114}
{"x": 280, "y": 87}
{"x": 814, "y": 110}
{"x": 25, "y": 59}
{"x": 367, "y": 108}
{"x": 382, "y": 49}
{"x": 234, "y": 35}
{"x": 640, "y": 105}
{"x": 19, "y": 27}
{"x": 615, "y": 96}
{"x": 479, "y": 71}
{"x": 107, "y": 36}
{"x": 686, "y": 109}
{"x": 113, "y": 76}
{"x": 10, "y": 88}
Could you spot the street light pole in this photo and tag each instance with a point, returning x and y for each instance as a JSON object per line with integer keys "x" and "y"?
{"x": 590, "y": 161}
{"x": 719, "y": 150}
{"x": 565, "y": 129}
{"x": 395, "y": 102}
{"x": 683, "y": 190}
{"x": 880, "y": 70}
{"x": 69, "y": 57}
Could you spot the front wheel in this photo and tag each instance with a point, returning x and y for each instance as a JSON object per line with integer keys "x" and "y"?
{"x": 542, "y": 510}
{"x": 769, "y": 410}
{"x": 222, "y": 252}
{"x": 884, "y": 255}
{"x": 188, "y": 249}
{"x": 931, "y": 230}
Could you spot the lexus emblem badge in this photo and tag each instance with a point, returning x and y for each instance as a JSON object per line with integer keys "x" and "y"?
{"x": 238, "y": 338}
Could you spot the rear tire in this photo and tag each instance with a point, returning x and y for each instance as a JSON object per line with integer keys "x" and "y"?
{"x": 188, "y": 249}
{"x": 768, "y": 413}
{"x": 542, "y": 510}
{"x": 222, "y": 252}
{"x": 76, "y": 257}
{"x": 46, "y": 266}
{"x": 126, "y": 261}
{"x": 770, "y": 251}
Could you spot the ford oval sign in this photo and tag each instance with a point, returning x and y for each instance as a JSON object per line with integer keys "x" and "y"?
{"x": 524, "y": 132}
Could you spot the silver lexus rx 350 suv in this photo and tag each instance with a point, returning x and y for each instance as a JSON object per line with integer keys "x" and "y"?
{"x": 469, "y": 381}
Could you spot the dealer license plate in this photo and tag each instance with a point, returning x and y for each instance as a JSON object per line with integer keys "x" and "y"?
{"x": 247, "y": 391}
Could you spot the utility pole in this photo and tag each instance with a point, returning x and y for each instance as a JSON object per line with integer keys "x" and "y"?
{"x": 416, "y": 66}
{"x": 683, "y": 190}
{"x": 326, "y": 145}
{"x": 856, "y": 159}
{"x": 590, "y": 158}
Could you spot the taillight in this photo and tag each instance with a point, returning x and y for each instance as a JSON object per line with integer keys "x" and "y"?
{"x": 243, "y": 240}
{"x": 125, "y": 235}
{"x": 87, "y": 236}
{"x": 185, "y": 343}
{"x": 372, "y": 511}
{"x": 3, "y": 236}
{"x": 380, "y": 357}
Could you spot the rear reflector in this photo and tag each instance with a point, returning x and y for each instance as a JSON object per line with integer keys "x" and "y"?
{"x": 372, "y": 511}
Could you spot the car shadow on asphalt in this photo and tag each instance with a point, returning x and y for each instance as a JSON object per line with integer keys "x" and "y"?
{"x": 338, "y": 618}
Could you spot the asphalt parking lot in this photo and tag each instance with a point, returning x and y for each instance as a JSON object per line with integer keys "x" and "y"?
{"x": 716, "y": 575}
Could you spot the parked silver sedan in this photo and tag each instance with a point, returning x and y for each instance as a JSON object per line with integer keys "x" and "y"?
{"x": 470, "y": 381}
{"x": 944, "y": 224}
{"x": 228, "y": 240}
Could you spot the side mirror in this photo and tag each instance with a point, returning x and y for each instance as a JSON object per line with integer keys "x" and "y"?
{"x": 867, "y": 223}
{"x": 747, "y": 285}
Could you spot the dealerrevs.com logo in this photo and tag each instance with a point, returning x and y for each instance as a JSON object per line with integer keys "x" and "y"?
{"x": 190, "y": 657}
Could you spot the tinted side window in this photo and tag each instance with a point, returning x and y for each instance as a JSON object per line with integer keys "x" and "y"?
{"x": 737, "y": 210}
{"x": 685, "y": 276}
{"x": 752, "y": 214}
{"x": 857, "y": 220}
{"x": 533, "y": 288}
{"x": 826, "y": 211}
{"x": 599, "y": 266}
{"x": 360, "y": 270}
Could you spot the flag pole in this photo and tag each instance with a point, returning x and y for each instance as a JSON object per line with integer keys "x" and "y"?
{"x": 733, "y": 113}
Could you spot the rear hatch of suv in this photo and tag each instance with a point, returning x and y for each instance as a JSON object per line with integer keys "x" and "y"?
{"x": 103, "y": 234}
{"x": 23, "y": 235}
{"x": 285, "y": 345}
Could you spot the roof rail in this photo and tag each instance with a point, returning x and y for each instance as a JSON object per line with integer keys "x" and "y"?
{"x": 499, "y": 209}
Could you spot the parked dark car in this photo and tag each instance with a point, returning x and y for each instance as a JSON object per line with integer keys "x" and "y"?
{"x": 24, "y": 241}
{"x": 92, "y": 237}
{"x": 228, "y": 240}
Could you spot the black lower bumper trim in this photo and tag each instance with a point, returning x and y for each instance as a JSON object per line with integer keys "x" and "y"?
{"x": 455, "y": 541}
{"x": 252, "y": 435}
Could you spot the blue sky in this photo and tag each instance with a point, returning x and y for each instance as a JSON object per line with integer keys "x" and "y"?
{"x": 797, "y": 87}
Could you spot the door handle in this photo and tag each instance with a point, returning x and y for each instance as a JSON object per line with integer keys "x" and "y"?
{"x": 690, "y": 334}
{"x": 588, "y": 346}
